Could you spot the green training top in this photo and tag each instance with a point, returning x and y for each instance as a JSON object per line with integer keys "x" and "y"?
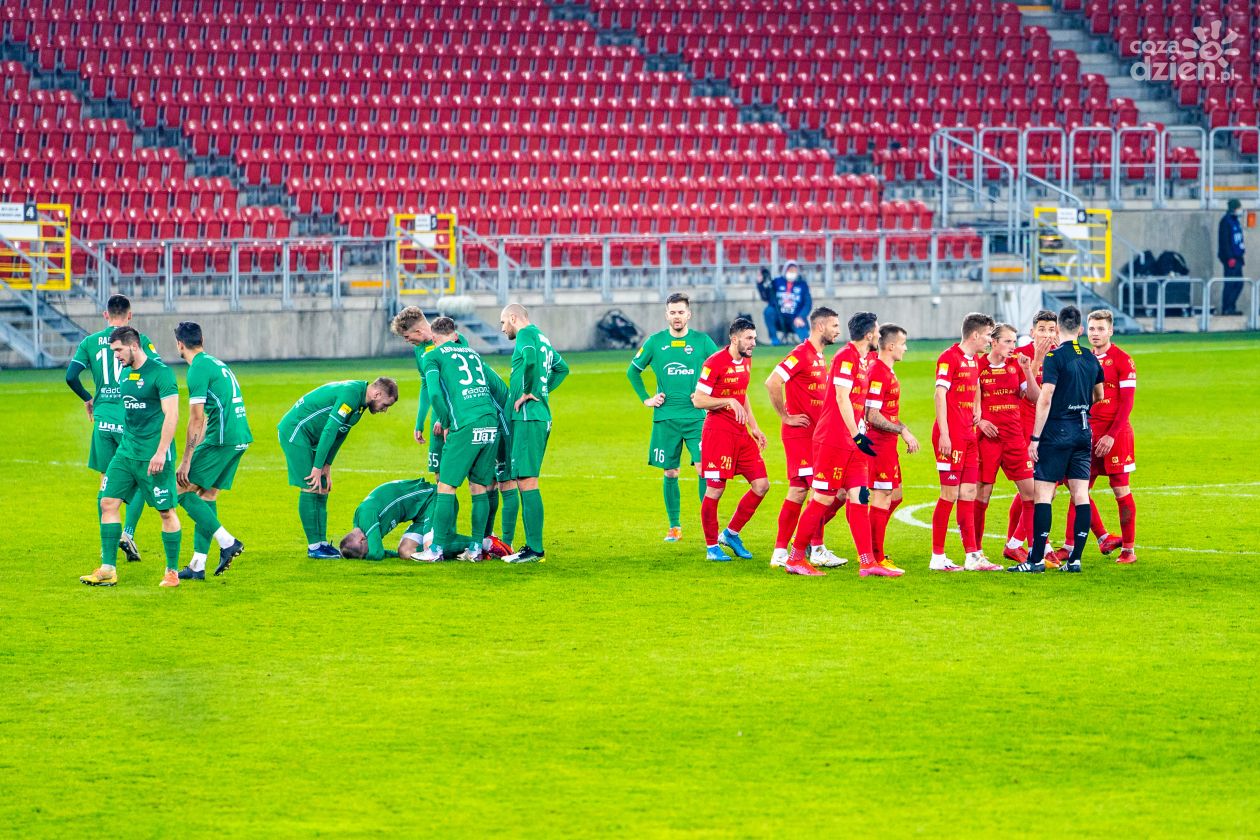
{"x": 386, "y": 506}
{"x": 455, "y": 377}
{"x": 676, "y": 364}
{"x": 212, "y": 384}
{"x": 142, "y": 393}
{"x": 425, "y": 398}
{"x": 323, "y": 418}
{"x": 94, "y": 354}
{"x": 536, "y": 369}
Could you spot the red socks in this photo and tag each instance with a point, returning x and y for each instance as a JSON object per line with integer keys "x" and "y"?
{"x": 709, "y": 520}
{"x": 788, "y": 516}
{"x": 879, "y": 527}
{"x": 1128, "y": 520}
{"x": 1095, "y": 521}
{"x": 981, "y": 509}
{"x": 811, "y": 521}
{"x": 1015, "y": 521}
{"x": 860, "y": 527}
{"x": 826, "y": 520}
{"x": 940, "y": 525}
{"x": 967, "y": 524}
{"x": 1024, "y": 531}
{"x": 747, "y": 507}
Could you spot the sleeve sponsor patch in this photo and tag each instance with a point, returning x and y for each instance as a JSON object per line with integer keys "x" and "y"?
{"x": 846, "y": 367}
{"x": 790, "y": 362}
{"x": 345, "y": 410}
{"x": 704, "y": 372}
{"x": 942, "y": 369}
{"x": 877, "y": 387}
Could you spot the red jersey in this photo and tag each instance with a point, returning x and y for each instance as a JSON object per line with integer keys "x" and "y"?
{"x": 722, "y": 377}
{"x": 1118, "y": 372}
{"x": 804, "y": 375}
{"x": 848, "y": 370}
{"x": 883, "y": 393}
{"x": 1001, "y": 389}
{"x": 956, "y": 373}
{"x": 1028, "y": 410}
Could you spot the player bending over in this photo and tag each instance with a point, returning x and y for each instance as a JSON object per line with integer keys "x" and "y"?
{"x": 883, "y": 421}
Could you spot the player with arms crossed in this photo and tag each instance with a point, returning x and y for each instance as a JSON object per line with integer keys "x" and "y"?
{"x": 537, "y": 370}
{"x": 957, "y": 447}
{"x": 885, "y": 428}
{"x": 1044, "y": 335}
{"x": 104, "y": 409}
{"x": 1062, "y": 443}
{"x": 674, "y": 355}
{"x": 798, "y": 386}
{"x": 145, "y": 459}
{"x": 217, "y": 436}
{"x": 1005, "y": 383}
{"x": 311, "y": 433}
{"x": 731, "y": 442}
{"x": 842, "y": 454}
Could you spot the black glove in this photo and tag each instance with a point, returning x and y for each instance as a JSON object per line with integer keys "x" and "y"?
{"x": 864, "y": 495}
{"x": 864, "y": 444}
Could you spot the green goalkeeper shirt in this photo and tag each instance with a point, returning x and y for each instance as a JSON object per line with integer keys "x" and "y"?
{"x": 143, "y": 390}
{"x": 389, "y": 504}
{"x": 94, "y": 355}
{"x": 212, "y": 384}
{"x": 458, "y": 383}
{"x": 675, "y": 362}
{"x": 324, "y": 417}
{"x": 537, "y": 369}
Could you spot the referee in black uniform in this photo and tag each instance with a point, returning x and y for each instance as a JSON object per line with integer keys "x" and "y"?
{"x": 1072, "y": 380}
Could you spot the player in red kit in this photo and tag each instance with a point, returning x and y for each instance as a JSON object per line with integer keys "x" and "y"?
{"x": 1005, "y": 385}
{"x": 883, "y": 419}
{"x": 1045, "y": 336}
{"x": 797, "y": 387}
{"x": 842, "y": 454}
{"x": 730, "y": 442}
{"x": 957, "y": 448}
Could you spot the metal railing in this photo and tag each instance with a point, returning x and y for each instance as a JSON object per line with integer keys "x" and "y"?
{"x": 1162, "y": 298}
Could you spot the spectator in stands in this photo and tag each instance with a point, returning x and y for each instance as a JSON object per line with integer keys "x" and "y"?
{"x": 788, "y": 304}
{"x": 1230, "y": 250}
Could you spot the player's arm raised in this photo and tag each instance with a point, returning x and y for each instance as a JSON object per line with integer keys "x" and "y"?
{"x": 1031, "y": 390}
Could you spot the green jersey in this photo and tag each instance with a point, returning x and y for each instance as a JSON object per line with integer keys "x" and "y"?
{"x": 386, "y": 506}
{"x": 425, "y": 397}
{"x": 456, "y": 380}
{"x": 143, "y": 390}
{"x": 536, "y": 369}
{"x": 213, "y": 385}
{"x": 675, "y": 363}
{"x": 324, "y": 417}
{"x": 94, "y": 354}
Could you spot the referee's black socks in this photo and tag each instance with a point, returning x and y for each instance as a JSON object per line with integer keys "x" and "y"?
{"x": 1080, "y": 531}
{"x": 1041, "y": 533}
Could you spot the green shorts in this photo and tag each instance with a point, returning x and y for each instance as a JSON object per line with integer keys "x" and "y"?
{"x": 125, "y": 476}
{"x": 105, "y": 443}
{"x": 299, "y": 457}
{"x": 436, "y": 444}
{"x": 469, "y": 454}
{"x": 668, "y": 437}
{"x": 215, "y": 466}
{"x": 529, "y": 445}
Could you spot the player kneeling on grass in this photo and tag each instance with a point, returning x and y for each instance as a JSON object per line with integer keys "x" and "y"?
{"x": 311, "y": 433}
{"x": 408, "y": 500}
{"x": 145, "y": 459}
{"x": 731, "y": 442}
{"x": 218, "y": 435}
{"x": 883, "y": 419}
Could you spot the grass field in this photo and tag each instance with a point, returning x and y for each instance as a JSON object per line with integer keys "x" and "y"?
{"x": 626, "y": 686}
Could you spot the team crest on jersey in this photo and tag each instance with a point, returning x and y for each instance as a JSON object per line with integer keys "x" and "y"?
{"x": 687, "y": 349}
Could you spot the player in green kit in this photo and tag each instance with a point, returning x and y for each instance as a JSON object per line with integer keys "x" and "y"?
{"x": 407, "y": 500}
{"x": 537, "y": 370}
{"x": 463, "y": 393}
{"x": 218, "y": 435}
{"x": 311, "y": 434}
{"x": 104, "y": 409}
{"x": 145, "y": 459}
{"x": 675, "y": 356}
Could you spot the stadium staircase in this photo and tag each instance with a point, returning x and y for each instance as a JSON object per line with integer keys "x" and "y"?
{"x": 34, "y": 331}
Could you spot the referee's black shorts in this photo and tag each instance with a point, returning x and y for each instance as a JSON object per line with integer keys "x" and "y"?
{"x": 1064, "y": 455}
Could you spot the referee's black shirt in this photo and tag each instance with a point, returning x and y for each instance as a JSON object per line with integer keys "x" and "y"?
{"x": 1073, "y": 371}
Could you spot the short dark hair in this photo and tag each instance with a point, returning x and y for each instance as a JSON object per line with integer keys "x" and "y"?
{"x": 861, "y": 323}
{"x": 443, "y": 326}
{"x": 975, "y": 321}
{"x": 820, "y": 313}
{"x": 389, "y": 386}
{"x": 1069, "y": 318}
{"x": 740, "y": 325}
{"x": 127, "y": 335}
{"x": 117, "y": 305}
{"x": 888, "y": 334}
{"x": 189, "y": 333}
{"x": 678, "y": 297}
{"x": 1045, "y": 315}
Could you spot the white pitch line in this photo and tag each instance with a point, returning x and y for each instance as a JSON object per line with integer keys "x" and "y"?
{"x": 906, "y": 516}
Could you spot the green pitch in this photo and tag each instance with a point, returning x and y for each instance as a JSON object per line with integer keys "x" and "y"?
{"x": 626, "y": 686}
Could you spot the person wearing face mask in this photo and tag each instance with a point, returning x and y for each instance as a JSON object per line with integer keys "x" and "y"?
{"x": 789, "y": 305}
{"x": 1230, "y": 249}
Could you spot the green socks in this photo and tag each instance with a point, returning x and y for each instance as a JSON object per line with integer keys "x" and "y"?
{"x": 444, "y": 519}
{"x": 110, "y": 535}
{"x": 135, "y": 507}
{"x": 309, "y": 514}
{"x": 321, "y": 515}
{"x": 202, "y": 514}
{"x": 532, "y": 508}
{"x": 170, "y": 545}
{"x": 673, "y": 501}
{"x": 493, "y": 496}
{"x": 510, "y": 506}
{"x": 701, "y": 485}
{"x": 480, "y": 515}
{"x": 203, "y": 539}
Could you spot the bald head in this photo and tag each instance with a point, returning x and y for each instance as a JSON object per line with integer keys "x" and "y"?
{"x": 513, "y": 318}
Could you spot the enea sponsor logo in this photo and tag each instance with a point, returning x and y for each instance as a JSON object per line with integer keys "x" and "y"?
{"x": 130, "y": 403}
{"x": 679, "y": 369}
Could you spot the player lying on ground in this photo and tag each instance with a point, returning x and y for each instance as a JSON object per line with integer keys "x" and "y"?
{"x": 884, "y": 427}
{"x": 408, "y": 500}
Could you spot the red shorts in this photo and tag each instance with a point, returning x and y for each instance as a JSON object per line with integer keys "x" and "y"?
{"x": 1120, "y": 459}
{"x": 886, "y": 466}
{"x": 963, "y": 464}
{"x": 1010, "y": 452}
{"x": 727, "y": 452}
{"x": 839, "y": 468}
{"x": 799, "y": 455}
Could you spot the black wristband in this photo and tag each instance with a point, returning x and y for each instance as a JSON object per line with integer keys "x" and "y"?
{"x": 1034, "y": 438}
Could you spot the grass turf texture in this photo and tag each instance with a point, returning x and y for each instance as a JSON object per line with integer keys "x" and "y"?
{"x": 627, "y": 686}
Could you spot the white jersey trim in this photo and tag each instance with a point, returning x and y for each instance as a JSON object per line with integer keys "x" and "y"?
{"x": 781, "y": 373}
{"x": 1128, "y": 383}
{"x": 704, "y": 389}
